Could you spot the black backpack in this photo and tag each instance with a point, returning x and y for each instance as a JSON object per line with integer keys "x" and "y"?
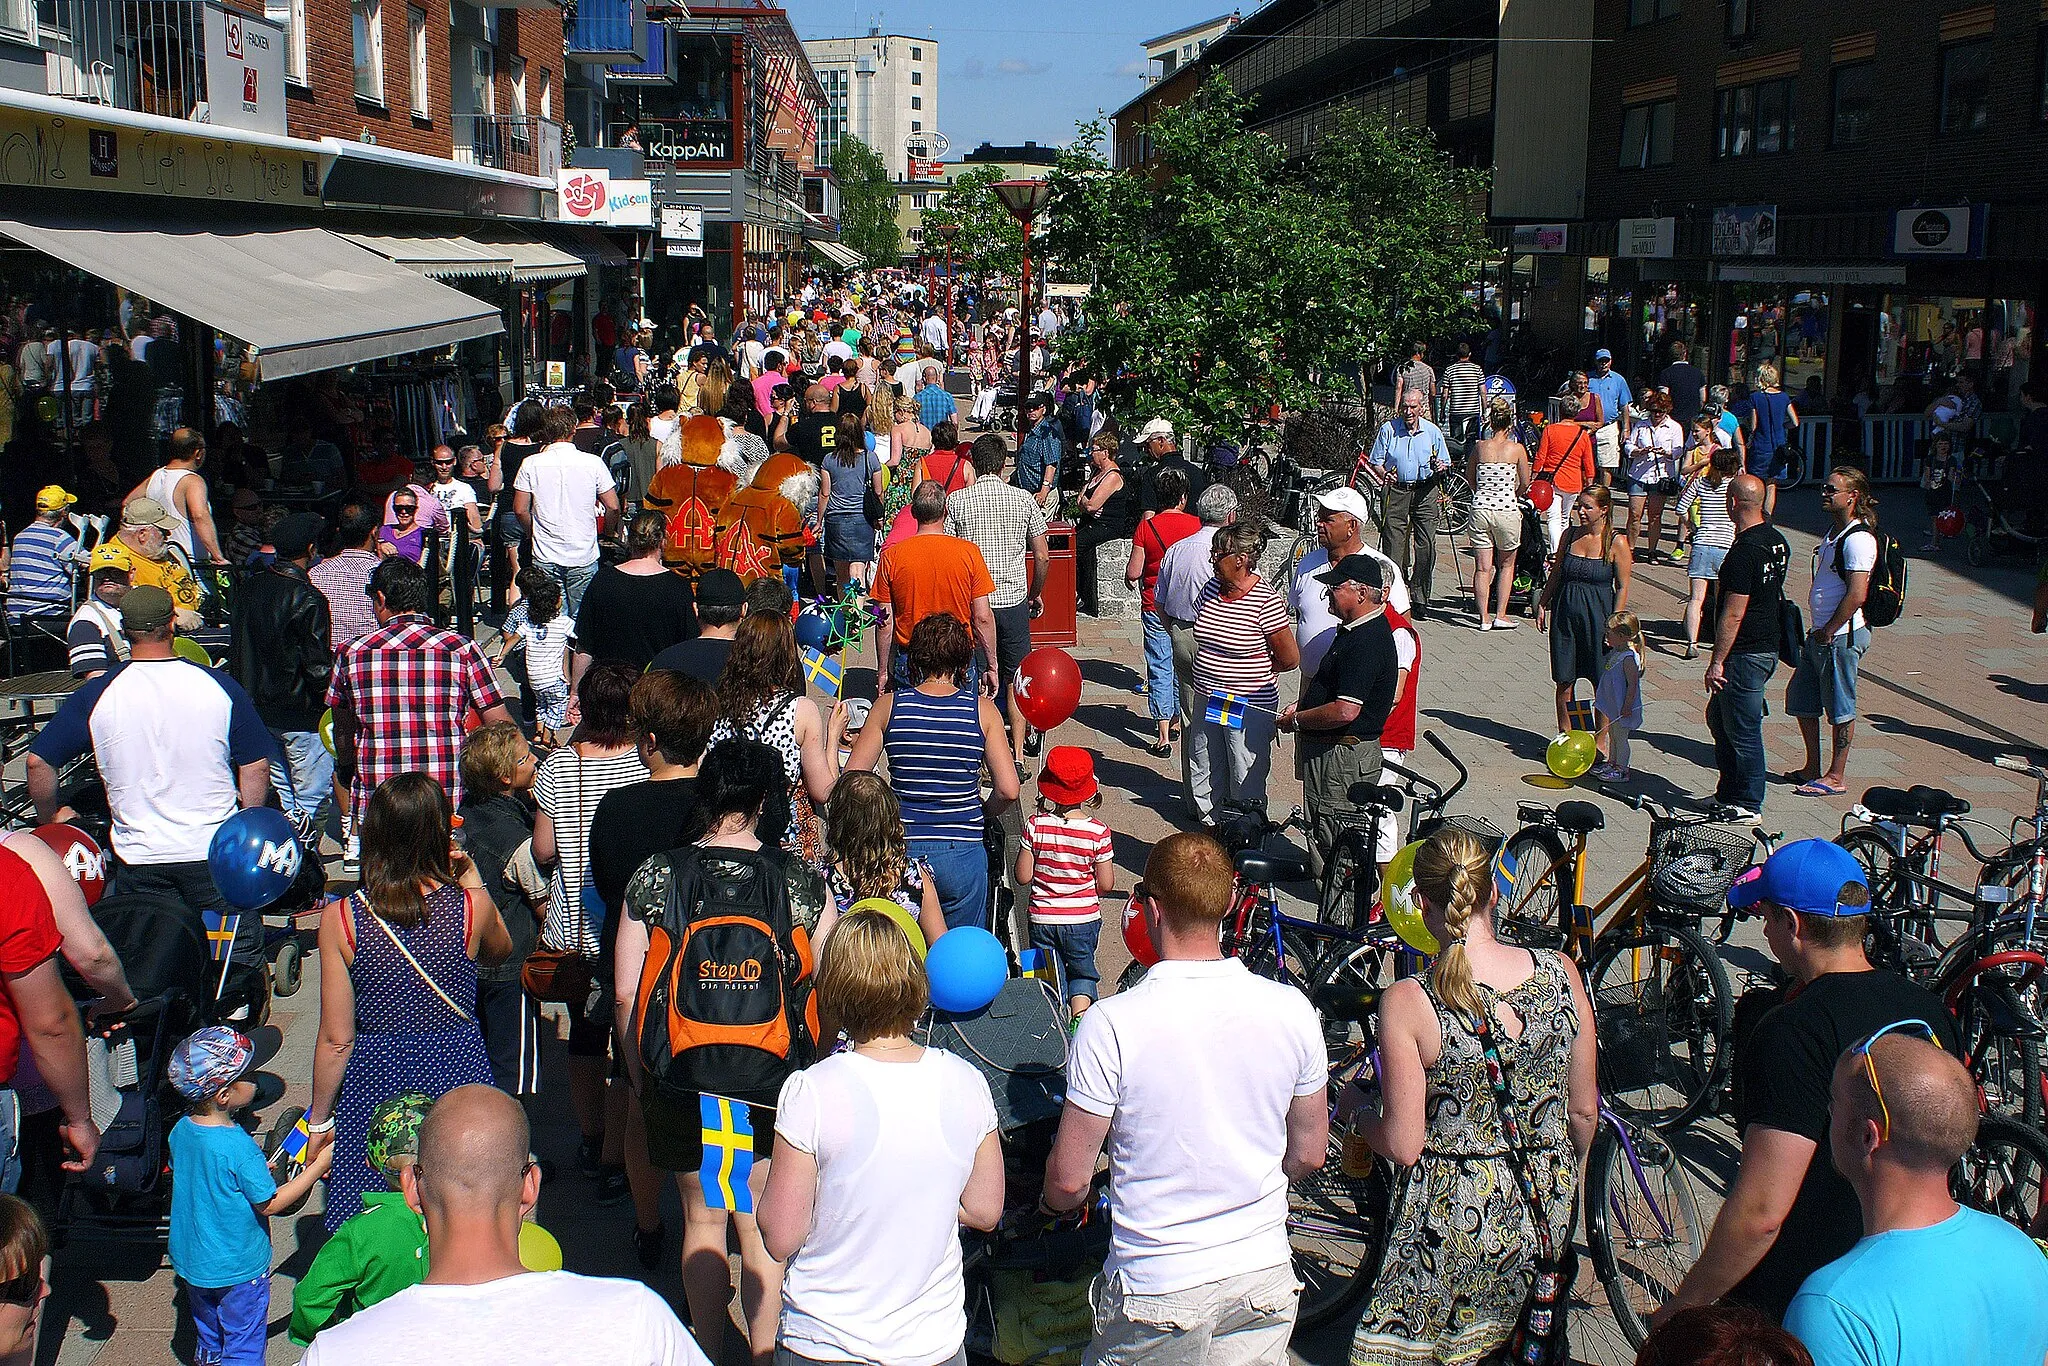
{"x": 1886, "y": 599}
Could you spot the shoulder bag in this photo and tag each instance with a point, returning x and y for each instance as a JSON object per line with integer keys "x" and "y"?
{"x": 1539, "y": 1338}
{"x": 1551, "y": 477}
{"x": 562, "y": 975}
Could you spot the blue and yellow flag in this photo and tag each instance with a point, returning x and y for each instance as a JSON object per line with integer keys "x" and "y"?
{"x": 1226, "y": 709}
{"x": 823, "y": 671}
{"x": 1037, "y": 963}
{"x": 220, "y": 933}
{"x": 1579, "y": 711}
{"x": 1504, "y": 875}
{"x": 293, "y": 1147}
{"x": 728, "y": 1154}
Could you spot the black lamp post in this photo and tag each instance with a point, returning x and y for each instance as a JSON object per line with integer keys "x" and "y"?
{"x": 1024, "y": 198}
{"x": 947, "y": 232}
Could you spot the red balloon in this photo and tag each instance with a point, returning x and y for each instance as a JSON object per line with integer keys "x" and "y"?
{"x": 1048, "y": 687}
{"x": 1541, "y": 493}
{"x": 1949, "y": 521}
{"x": 471, "y": 719}
{"x": 82, "y": 855}
{"x": 1137, "y": 938}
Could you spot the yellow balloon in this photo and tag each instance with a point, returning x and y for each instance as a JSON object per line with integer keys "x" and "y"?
{"x": 904, "y": 919}
{"x": 1570, "y": 754}
{"x": 538, "y": 1250}
{"x": 327, "y": 729}
{"x": 1404, "y": 908}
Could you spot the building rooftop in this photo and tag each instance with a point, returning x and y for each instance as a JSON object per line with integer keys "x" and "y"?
{"x": 1030, "y": 153}
{"x": 1181, "y": 33}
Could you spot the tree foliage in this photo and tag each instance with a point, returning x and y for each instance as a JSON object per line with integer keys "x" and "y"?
{"x": 1229, "y": 277}
{"x": 867, "y": 203}
{"x": 990, "y": 241}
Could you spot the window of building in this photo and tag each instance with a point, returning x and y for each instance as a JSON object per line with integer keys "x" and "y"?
{"x": 1855, "y": 102}
{"x": 489, "y": 16}
{"x": 1753, "y": 120}
{"x": 917, "y": 125}
{"x": 917, "y": 78}
{"x": 1648, "y": 134}
{"x": 416, "y": 50}
{"x": 917, "y": 54}
{"x": 483, "y": 80}
{"x": 547, "y": 93}
{"x": 367, "y": 21}
{"x": 1650, "y": 11}
{"x": 1966, "y": 86}
{"x": 1741, "y": 19}
{"x": 289, "y": 15}
{"x": 917, "y": 101}
{"x": 517, "y": 71}
{"x": 14, "y": 17}
{"x": 921, "y": 200}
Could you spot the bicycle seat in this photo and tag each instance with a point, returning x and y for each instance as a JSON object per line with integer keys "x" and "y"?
{"x": 1256, "y": 865}
{"x": 1388, "y": 799}
{"x": 1916, "y": 805}
{"x": 1356, "y": 1004}
{"x": 1580, "y": 818}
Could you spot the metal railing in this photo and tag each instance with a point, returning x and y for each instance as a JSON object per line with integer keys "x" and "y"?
{"x": 507, "y": 142}
{"x": 148, "y": 56}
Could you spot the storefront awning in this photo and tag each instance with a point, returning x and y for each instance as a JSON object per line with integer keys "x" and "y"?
{"x": 589, "y": 246}
{"x": 533, "y": 262}
{"x": 305, "y": 298}
{"x": 440, "y": 258}
{"x": 844, "y": 257}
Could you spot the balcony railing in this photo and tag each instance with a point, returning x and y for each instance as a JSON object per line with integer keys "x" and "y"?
{"x": 148, "y": 56}
{"x": 526, "y": 145}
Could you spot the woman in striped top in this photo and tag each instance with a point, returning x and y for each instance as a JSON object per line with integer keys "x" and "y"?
{"x": 1242, "y": 637}
{"x": 1707, "y": 497}
{"x": 938, "y": 734}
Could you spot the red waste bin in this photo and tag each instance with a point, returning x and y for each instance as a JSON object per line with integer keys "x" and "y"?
{"x": 1055, "y": 625}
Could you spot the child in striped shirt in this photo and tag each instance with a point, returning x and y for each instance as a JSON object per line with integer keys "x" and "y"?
{"x": 1065, "y": 858}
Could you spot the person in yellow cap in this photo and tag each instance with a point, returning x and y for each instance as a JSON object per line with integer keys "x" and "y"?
{"x": 142, "y": 547}
{"x": 44, "y": 562}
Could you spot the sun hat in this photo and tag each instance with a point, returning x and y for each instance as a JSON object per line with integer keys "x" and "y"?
{"x": 1069, "y": 776}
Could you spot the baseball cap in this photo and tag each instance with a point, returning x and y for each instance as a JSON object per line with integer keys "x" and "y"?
{"x": 212, "y": 1058}
{"x": 721, "y": 588}
{"x": 1603, "y": 354}
{"x": 1354, "y": 569}
{"x": 146, "y": 609}
{"x": 1807, "y": 876}
{"x": 147, "y": 512}
{"x": 1158, "y": 426}
{"x": 53, "y": 498}
{"x": 1346, "y": 500}
{"x": 110, "y": 555}
{"x": 295, "y": 535}
{"x": 857, "y": 712}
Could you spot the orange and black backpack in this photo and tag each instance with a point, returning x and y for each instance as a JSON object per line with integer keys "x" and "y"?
{"x": 725, "y": 1002}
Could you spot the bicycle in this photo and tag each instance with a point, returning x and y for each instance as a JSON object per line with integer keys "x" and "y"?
{"x": 1660, "y": 993}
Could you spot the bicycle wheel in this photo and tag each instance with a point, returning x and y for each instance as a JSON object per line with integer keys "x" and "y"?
{"x": 1350, "y": 863}
{"x": 2006, "y": 1063}
{"x": 1879, "y": 860}
{"x": 1337, "y": 1228}
{"x": 2004, "y": 1173}
{"x": 1643, "y": 1224}
{"x": 1534, "y": 915}
{"x": 1663, "y": 1007}
{"x": 1348, "y": 967}
{"x": 1454, "y": 503}
{"x": 1295, "y": 965}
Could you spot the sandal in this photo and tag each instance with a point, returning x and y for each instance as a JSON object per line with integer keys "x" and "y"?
{"x": 1819, "y": 787}
{"x": 1160, "y": 751}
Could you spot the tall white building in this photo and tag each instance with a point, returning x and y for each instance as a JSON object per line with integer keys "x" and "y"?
{"x": 881, "y": 89}
{"x": 1169, "y": 52}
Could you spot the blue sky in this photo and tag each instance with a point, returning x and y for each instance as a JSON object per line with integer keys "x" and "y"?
{"x": 1019, "y": 69}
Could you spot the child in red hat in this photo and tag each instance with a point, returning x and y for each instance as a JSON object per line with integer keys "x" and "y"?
{"x": 1066, "y": 859}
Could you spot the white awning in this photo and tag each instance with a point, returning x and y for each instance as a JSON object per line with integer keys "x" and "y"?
{"x": 844, "y": 257}
{"x": 440, "y": 258}
{"x": 533, "y": 262}
{"x": 306, "y": 299}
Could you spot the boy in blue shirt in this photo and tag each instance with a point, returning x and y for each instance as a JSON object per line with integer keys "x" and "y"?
{"x": 221, "y": 1194}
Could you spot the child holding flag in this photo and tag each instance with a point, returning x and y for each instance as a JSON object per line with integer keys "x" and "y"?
{"x": 1065, "y": 858}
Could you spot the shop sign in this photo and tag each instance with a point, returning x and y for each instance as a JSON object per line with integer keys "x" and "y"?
{"x": 682, "y": 225}
{"x": 66, "y": 152}
{"x": 1746, "y": 230}
{"x": 557, "y": 374}
{"x": 1540, "y": 238}
{"x": 1648, "y": 238}
{"x": 683, "y": 248}
{"x": 244, "y": 72}
{"x": 1952, "y": 231}
{"x": 1810, "y": 273}
{"x": 630, "y": 204}
{"x": 592, "y": 196}
{"x": 685, "y": 141}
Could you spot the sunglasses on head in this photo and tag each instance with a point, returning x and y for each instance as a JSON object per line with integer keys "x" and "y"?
{"x": 1916, "y": 1028}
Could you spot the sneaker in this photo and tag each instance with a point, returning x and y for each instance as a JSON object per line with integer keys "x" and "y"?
{"x": 611, "y": 1186}
{"x": 1608, "y": 773}
{"x": 1737, "y": 815}
{"x": 1505, "y": 624}
{"x": 590, "y": 1157}
{"x": 647, "y": 1245}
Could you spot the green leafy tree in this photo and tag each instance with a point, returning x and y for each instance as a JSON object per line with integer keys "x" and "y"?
{"x": 867, "y": 203}
{"x": 1229, "y": 278}
{"x": 990, "y": 242}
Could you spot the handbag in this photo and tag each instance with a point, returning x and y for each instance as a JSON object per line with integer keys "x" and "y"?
{"x": 1791, "y": 631}
{"x": 871, "y": 504}
{"x": 1539, "y": 1338}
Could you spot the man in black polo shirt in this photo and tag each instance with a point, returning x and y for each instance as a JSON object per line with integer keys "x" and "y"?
{"x": 721, "y": 601}
{"x": 1344, "y": 704}
{"x": 1752, "y": 585}
{"x": 1789, "y": 1212}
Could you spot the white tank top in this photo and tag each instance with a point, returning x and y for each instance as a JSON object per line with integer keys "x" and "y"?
{"x": 163, "y": 486}
{"x": 1496, "y": 490}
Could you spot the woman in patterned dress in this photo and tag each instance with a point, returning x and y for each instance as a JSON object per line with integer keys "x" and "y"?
{"x": 761, "y": 697}
{"x": 1462, "y": 1246}
{"x": 398, "y": 979}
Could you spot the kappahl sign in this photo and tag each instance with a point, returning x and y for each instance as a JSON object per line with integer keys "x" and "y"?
{"x": 592, "y": 196}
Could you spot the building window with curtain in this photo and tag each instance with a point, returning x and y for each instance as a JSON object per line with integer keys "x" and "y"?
{"x": 367, "y": 22}
{"x": 1753, "y": 120}
{"x": 416, "y": 50}
{"x": 1966, "y": 86}
{"x": 1855, "y": 101}
{"x": 547, "y": 93}
{"x": 1648, "y": 134}
{"x": 290, "y": 16}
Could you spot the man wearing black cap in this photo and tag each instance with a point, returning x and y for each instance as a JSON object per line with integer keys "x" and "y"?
{"x": 721, "y": 602}
{"x": 1344, "y": 704}
{"x": 283, "y": 653}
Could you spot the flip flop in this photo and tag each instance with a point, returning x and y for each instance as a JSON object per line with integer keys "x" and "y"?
{"x": 1794, "y": 779}
{"x": 1817, "y": 788}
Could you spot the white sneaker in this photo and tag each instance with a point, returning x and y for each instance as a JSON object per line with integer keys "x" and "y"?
{"x": 1738, "y": 815}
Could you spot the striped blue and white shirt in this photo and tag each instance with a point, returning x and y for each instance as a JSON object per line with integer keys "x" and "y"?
{"x": 935, "y": 752}
{"x": 39, "y": 579}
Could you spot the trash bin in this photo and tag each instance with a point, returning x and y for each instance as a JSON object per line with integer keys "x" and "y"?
{"x": 1055, "y": 625}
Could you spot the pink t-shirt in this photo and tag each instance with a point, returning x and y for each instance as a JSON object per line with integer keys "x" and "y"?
{"x": 1065, "y": 850}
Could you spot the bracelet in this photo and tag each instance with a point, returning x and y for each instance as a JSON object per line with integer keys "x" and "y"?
{"x": 325, "y": 1126}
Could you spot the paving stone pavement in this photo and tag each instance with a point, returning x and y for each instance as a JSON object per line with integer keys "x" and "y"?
{"x": 1955, "y": 682}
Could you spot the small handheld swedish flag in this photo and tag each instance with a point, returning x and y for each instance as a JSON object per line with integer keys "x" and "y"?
{"x": 1579, "y": 711}
{"x": 1038, "y": 964}
{"x": 1225, "y": 709}
{"x": 220, "y": 933}
{"x": 823, "y": 671}
{"x": 1504, "y": 875}
{"x": 292, "y": 1148}
{"x": 728, "y": 1132}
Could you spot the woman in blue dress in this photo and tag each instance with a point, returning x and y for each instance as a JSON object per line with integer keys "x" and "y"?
{"x": 398, "y": 979}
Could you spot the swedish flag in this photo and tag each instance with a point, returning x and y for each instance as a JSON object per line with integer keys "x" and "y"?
{"x": 728, "y": 1133}
{"x": 1225, "y": 709}
{"x": 1579, "y": 711}
{"x": 1504, "y": 875}
{"x": 824, "y": 671}
{"x": 293, "y": 1146}
{"x": 220, "y": 933}
{"x": 1037, "y": 963}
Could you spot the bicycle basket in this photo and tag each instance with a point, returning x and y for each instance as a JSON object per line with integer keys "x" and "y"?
{"x": 1635, "y": 1035}
{"x": 1693, "y": 866}
{"x": 1478, "y": 827}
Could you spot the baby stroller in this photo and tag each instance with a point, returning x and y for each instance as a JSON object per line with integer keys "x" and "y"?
{"x": 1532, "y": 565}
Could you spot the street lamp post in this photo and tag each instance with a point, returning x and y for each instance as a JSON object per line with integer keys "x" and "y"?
{"x": 947, "y": 232}
{"x": 1024, "y": 199}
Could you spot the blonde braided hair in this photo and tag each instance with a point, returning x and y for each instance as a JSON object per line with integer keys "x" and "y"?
{"x": 1453, "y": 872}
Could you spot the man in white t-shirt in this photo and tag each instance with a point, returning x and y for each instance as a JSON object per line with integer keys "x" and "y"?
{"x": 1825, "y": 679}
{"x": 455, "y": 497}
{"x": 565, "y": 496}
{"x": 473, "y": 1182}
{"x": 1341, "y": 519}
{"x": 1209, "y": 1085}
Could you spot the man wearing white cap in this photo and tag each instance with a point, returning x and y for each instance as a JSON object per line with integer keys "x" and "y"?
{"x": 1341, "y": 519}
{"x": 1161, "y": 447}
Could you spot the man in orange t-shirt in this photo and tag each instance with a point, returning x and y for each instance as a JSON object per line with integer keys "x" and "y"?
{"x": 929, "y": 571}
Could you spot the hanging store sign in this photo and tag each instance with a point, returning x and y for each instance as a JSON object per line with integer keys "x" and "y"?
{"x": 683, "y": 248}
{"x": 1647, "y": 238}
{"x": 244, "y": 72}
{"x": 1539, "y": 238}
{"x": 686, "y": 141}
{"x": 1955, "y": 231}
{"x": 593, "y": 197}
{"x": 73, "y": 152}
{"x": 1746, "y": 230}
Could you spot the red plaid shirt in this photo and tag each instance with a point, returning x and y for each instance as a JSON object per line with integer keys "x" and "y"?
{"x": 409, "y": 683}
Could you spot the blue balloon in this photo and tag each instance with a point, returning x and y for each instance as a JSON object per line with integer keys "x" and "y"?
{"x": 967, "y": 968}
{"x": 254, "y": 857}
{"x": 812, "y": 630}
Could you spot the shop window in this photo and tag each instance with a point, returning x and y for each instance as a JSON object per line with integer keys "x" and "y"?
{"x": 416, "y": 49}
{"x": 1741, "y": 19}
{"x": 1855, "y": 103}
{"x": 367, "y": 23}
{"x": 1753, "y": 120}
{"x": 1648, "y": 134}
{"x": 289, "y": 15}
{"x": 1650, "y": 11}
{"x": 1966, "y": 86}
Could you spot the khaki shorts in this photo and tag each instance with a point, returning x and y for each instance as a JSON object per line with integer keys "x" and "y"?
{"x": 1493, "y": 529}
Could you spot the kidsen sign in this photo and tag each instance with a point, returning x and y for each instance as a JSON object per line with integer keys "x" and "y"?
{"x": 592, "y": 196}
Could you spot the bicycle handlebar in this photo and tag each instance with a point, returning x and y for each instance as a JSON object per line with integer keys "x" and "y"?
{"x": 1464, "y": 774}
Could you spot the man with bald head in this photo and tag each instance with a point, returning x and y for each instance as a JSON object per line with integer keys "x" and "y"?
{"x": 1930, "y": 1282}
{"x": 473, "y": 1182}
{"x": 1752, "y": 583}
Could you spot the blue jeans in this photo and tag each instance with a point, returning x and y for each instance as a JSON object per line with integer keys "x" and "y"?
{"x": 232, "y": 1322}
{"x": 10, "y": 1140}
{"x": 960, "y": 872}
{"x": 1735, "y": 716}
{"x": 572, "y": 578}
{"x": 1074, "y": 945}
{"x": 306, "y": 779}
{"x": 1159, "y": 689}
{"x": 1825, "y": 680}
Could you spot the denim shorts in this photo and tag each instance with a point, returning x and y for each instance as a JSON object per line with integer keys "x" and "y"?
{"x": 1825, "y": 681}
{"x": 1074, "y": 942}
{"x": 1706, "y": 561}
{"x": 1661, "y": 488}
